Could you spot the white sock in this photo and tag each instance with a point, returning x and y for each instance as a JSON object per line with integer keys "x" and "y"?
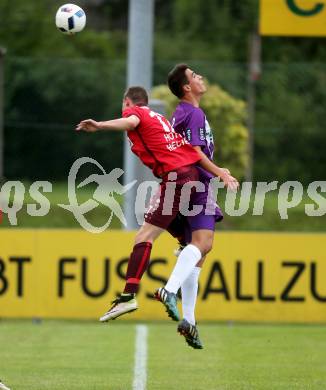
{"x": 186, "y": 262}
{"x": 189, "y": 289}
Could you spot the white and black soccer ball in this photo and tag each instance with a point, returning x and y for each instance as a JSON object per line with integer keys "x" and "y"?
{"x": 70, "y": 19}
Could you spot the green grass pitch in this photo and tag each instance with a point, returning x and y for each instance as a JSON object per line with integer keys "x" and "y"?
{"x": 59, "y": 355}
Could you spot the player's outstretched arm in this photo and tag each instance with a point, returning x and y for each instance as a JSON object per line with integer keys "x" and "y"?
{"x": 230, "y": 181}
{"x": 121, "y": 124}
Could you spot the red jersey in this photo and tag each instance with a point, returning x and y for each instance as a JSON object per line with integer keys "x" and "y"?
{"x": 156, "y": 143}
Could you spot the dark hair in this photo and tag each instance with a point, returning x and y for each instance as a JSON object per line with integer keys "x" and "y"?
{"x": 137, "y": 95}
{"x": 177, "y": 79}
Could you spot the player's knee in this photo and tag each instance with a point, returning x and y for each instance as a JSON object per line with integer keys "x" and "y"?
{"x": 201, "y": 262}
{"x": 143, "y": 236}
{"x": 147, "y": 233}
{"x": 205, "y": 246}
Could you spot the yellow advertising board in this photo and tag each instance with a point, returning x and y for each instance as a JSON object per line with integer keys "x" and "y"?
{"x": 293, "y": 17}
{"x": 247, "y": 276}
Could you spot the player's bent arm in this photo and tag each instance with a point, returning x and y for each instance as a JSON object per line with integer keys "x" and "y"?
{"x": 121, "y": 124}
{"x": 215, "y": 170}
{"x": 208, "y": 165}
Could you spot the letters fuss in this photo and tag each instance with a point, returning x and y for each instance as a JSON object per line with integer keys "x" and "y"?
{"x": 240, "y": 282}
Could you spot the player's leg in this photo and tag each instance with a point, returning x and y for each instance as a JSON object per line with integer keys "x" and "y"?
{"x": 189, "y": 291}
{"x": 137, "y": 265}
{"x": 202, "y": 228}
{"x": 187, "y": 260}
{"x": 202, "y": 234}
{"x": 139, "y": 258}
{"x": 153, "y": 226}
{"x": 188, "y": 266}
{"x": 189, "y": 257}
{"x": 185, "y": 265}
{"x": 180, "y": 229}
{"x": 155, "y": 223}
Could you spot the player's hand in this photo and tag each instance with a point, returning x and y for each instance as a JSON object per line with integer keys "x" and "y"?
{"x": 226, "y": 171}
{"x": 88, "y": 125}
{"x": 230, "y": 182}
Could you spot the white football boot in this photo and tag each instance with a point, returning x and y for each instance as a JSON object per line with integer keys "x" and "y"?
{"x": 125, "y": 303}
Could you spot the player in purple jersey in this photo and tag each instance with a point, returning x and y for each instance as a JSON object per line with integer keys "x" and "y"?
{"x": 189, "y": 88}
{"x": 190, "y": 121}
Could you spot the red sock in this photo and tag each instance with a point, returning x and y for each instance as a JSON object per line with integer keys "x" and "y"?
{"x": 137, "y": 265}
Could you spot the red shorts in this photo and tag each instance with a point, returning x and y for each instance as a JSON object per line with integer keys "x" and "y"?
{"x": 165, "y": 204}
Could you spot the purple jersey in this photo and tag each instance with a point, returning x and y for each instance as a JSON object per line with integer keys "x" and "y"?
{"x": 191, "y": 122}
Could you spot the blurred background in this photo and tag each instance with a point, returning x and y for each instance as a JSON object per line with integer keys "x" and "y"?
{"x": 266, "y": 99}
{"x": 276, "y": 88}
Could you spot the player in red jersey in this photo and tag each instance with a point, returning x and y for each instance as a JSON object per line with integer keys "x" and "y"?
{"x": 164, "y": 151}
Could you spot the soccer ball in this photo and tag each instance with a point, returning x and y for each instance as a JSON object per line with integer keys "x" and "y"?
{"x": 70, "y": 19}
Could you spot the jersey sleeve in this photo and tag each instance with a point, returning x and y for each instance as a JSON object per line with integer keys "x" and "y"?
{"x": 195, "y": 129}
{"x": 131, "y": 111}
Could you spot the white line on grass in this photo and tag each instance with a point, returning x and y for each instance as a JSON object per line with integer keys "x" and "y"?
{"x": 140, "y": 369}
